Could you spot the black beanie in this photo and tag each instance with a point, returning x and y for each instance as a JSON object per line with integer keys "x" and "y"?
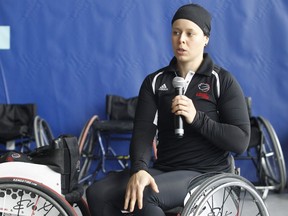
{"x": 196, "y": 14}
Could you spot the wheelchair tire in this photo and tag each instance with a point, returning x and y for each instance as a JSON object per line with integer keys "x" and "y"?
{"x": 19, "y": 196}
{"x": 87, "y": 144}
{"x": 42, "y": 132}
{"x": 225, "y": 194}
{"x": 272, "y": 159}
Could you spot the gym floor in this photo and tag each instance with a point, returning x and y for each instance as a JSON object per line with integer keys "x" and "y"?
{"x": 277, "y": 204}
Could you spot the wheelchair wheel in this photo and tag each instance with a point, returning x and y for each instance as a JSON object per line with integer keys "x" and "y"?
{"x": 225, "y": 194}
{"x": 272, "y": 159}
{"x": 42, "y": 132}
{"x": 19, "y": 196}
{"x": 87, "y": 143}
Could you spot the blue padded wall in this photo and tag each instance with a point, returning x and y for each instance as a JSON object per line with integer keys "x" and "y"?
{"x": 66, "y": 55}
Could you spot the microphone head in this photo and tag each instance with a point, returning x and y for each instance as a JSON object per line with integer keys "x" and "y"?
{"x": 178, "y": 82}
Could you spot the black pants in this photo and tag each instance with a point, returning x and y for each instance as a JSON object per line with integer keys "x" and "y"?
{"x": 106, "y": 197}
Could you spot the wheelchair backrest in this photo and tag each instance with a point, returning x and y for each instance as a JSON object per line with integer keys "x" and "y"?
{"x": 120, "y": 108}
{"x": 16, "y": 121}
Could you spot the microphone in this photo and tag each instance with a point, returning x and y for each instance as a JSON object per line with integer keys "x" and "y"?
{"x": 178, "y": 83}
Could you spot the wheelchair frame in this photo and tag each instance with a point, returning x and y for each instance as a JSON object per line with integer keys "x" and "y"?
{"x": 93, "y": 148}
{"x": 272, "y": 157}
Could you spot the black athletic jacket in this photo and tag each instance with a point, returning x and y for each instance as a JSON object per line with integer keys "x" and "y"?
{"x": 221, "y": 124}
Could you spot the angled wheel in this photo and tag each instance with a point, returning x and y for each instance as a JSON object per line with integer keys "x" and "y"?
{"x": 42, "y": 132}
{"x": 20, "y": 196}
{"x": 87, "y": 144}
{"x": 272, "y": 159}
{"x": 225, "y": 194}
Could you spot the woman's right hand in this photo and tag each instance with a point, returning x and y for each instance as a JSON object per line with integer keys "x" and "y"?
{"x": 135, "y": 188}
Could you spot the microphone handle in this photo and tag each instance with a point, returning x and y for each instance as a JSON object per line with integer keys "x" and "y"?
{"x": 179, "y": 130}
{"x": 179, "y": 91}
{"x": 178, "y": 121}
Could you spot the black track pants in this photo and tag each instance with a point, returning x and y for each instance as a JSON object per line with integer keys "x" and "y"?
{"x": 106, "y": 197}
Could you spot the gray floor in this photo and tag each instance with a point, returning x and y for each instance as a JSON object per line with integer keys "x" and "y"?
{"x": 277, "y": 204}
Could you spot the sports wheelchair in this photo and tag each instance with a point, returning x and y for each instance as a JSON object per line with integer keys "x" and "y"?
{"x": 265, "y": 153}
{"x": 21, "y": 127}
{"x": 212, "y": 194}
{"x": 97, "y": 136}
{"x": 31, "y": 188}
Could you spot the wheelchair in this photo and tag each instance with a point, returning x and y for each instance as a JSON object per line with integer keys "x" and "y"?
{"x": 96, "y": 149}
{"x": 266, "y": 155}
{"x": 212, "y": 194}
{"x": 209, "y": 194}
{"x": 97, "y": 135}
{"x": 218, "y": 193}
{"x": 26, "y": 190}
{"x": 21, "y": 127}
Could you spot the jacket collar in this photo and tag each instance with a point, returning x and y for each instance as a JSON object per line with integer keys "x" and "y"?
{"x": 205, "y": 68}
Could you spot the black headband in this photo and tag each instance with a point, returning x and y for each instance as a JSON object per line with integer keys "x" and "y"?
{"x": 196, "y": 14}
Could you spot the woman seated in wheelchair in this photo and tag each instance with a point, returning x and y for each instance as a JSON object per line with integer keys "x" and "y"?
{"x": 215, "y": 122}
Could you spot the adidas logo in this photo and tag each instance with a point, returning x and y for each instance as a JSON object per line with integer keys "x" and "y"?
{"x": 163, "y": 87}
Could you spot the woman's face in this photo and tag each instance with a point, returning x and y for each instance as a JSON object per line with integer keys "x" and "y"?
{"x": 188, "y": 40}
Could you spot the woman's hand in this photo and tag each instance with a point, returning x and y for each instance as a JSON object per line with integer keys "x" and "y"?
{"x": 182, "y": 105}
{"x": 135, "y": 188}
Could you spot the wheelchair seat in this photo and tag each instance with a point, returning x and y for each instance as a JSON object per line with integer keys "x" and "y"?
{"x": 114, "y": 126}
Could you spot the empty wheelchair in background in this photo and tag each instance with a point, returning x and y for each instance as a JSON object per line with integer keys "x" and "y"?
{"x": 266, "y": 155}
{"x": 95, "y": 141}
{"x": 21, "y": 127}
{"x": 16, "y": 126}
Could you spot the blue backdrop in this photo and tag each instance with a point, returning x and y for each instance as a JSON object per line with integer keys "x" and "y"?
{"x": 66, "y": 55}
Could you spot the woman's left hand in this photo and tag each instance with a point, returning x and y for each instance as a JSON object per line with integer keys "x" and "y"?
{"x": 182, "y": 105}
